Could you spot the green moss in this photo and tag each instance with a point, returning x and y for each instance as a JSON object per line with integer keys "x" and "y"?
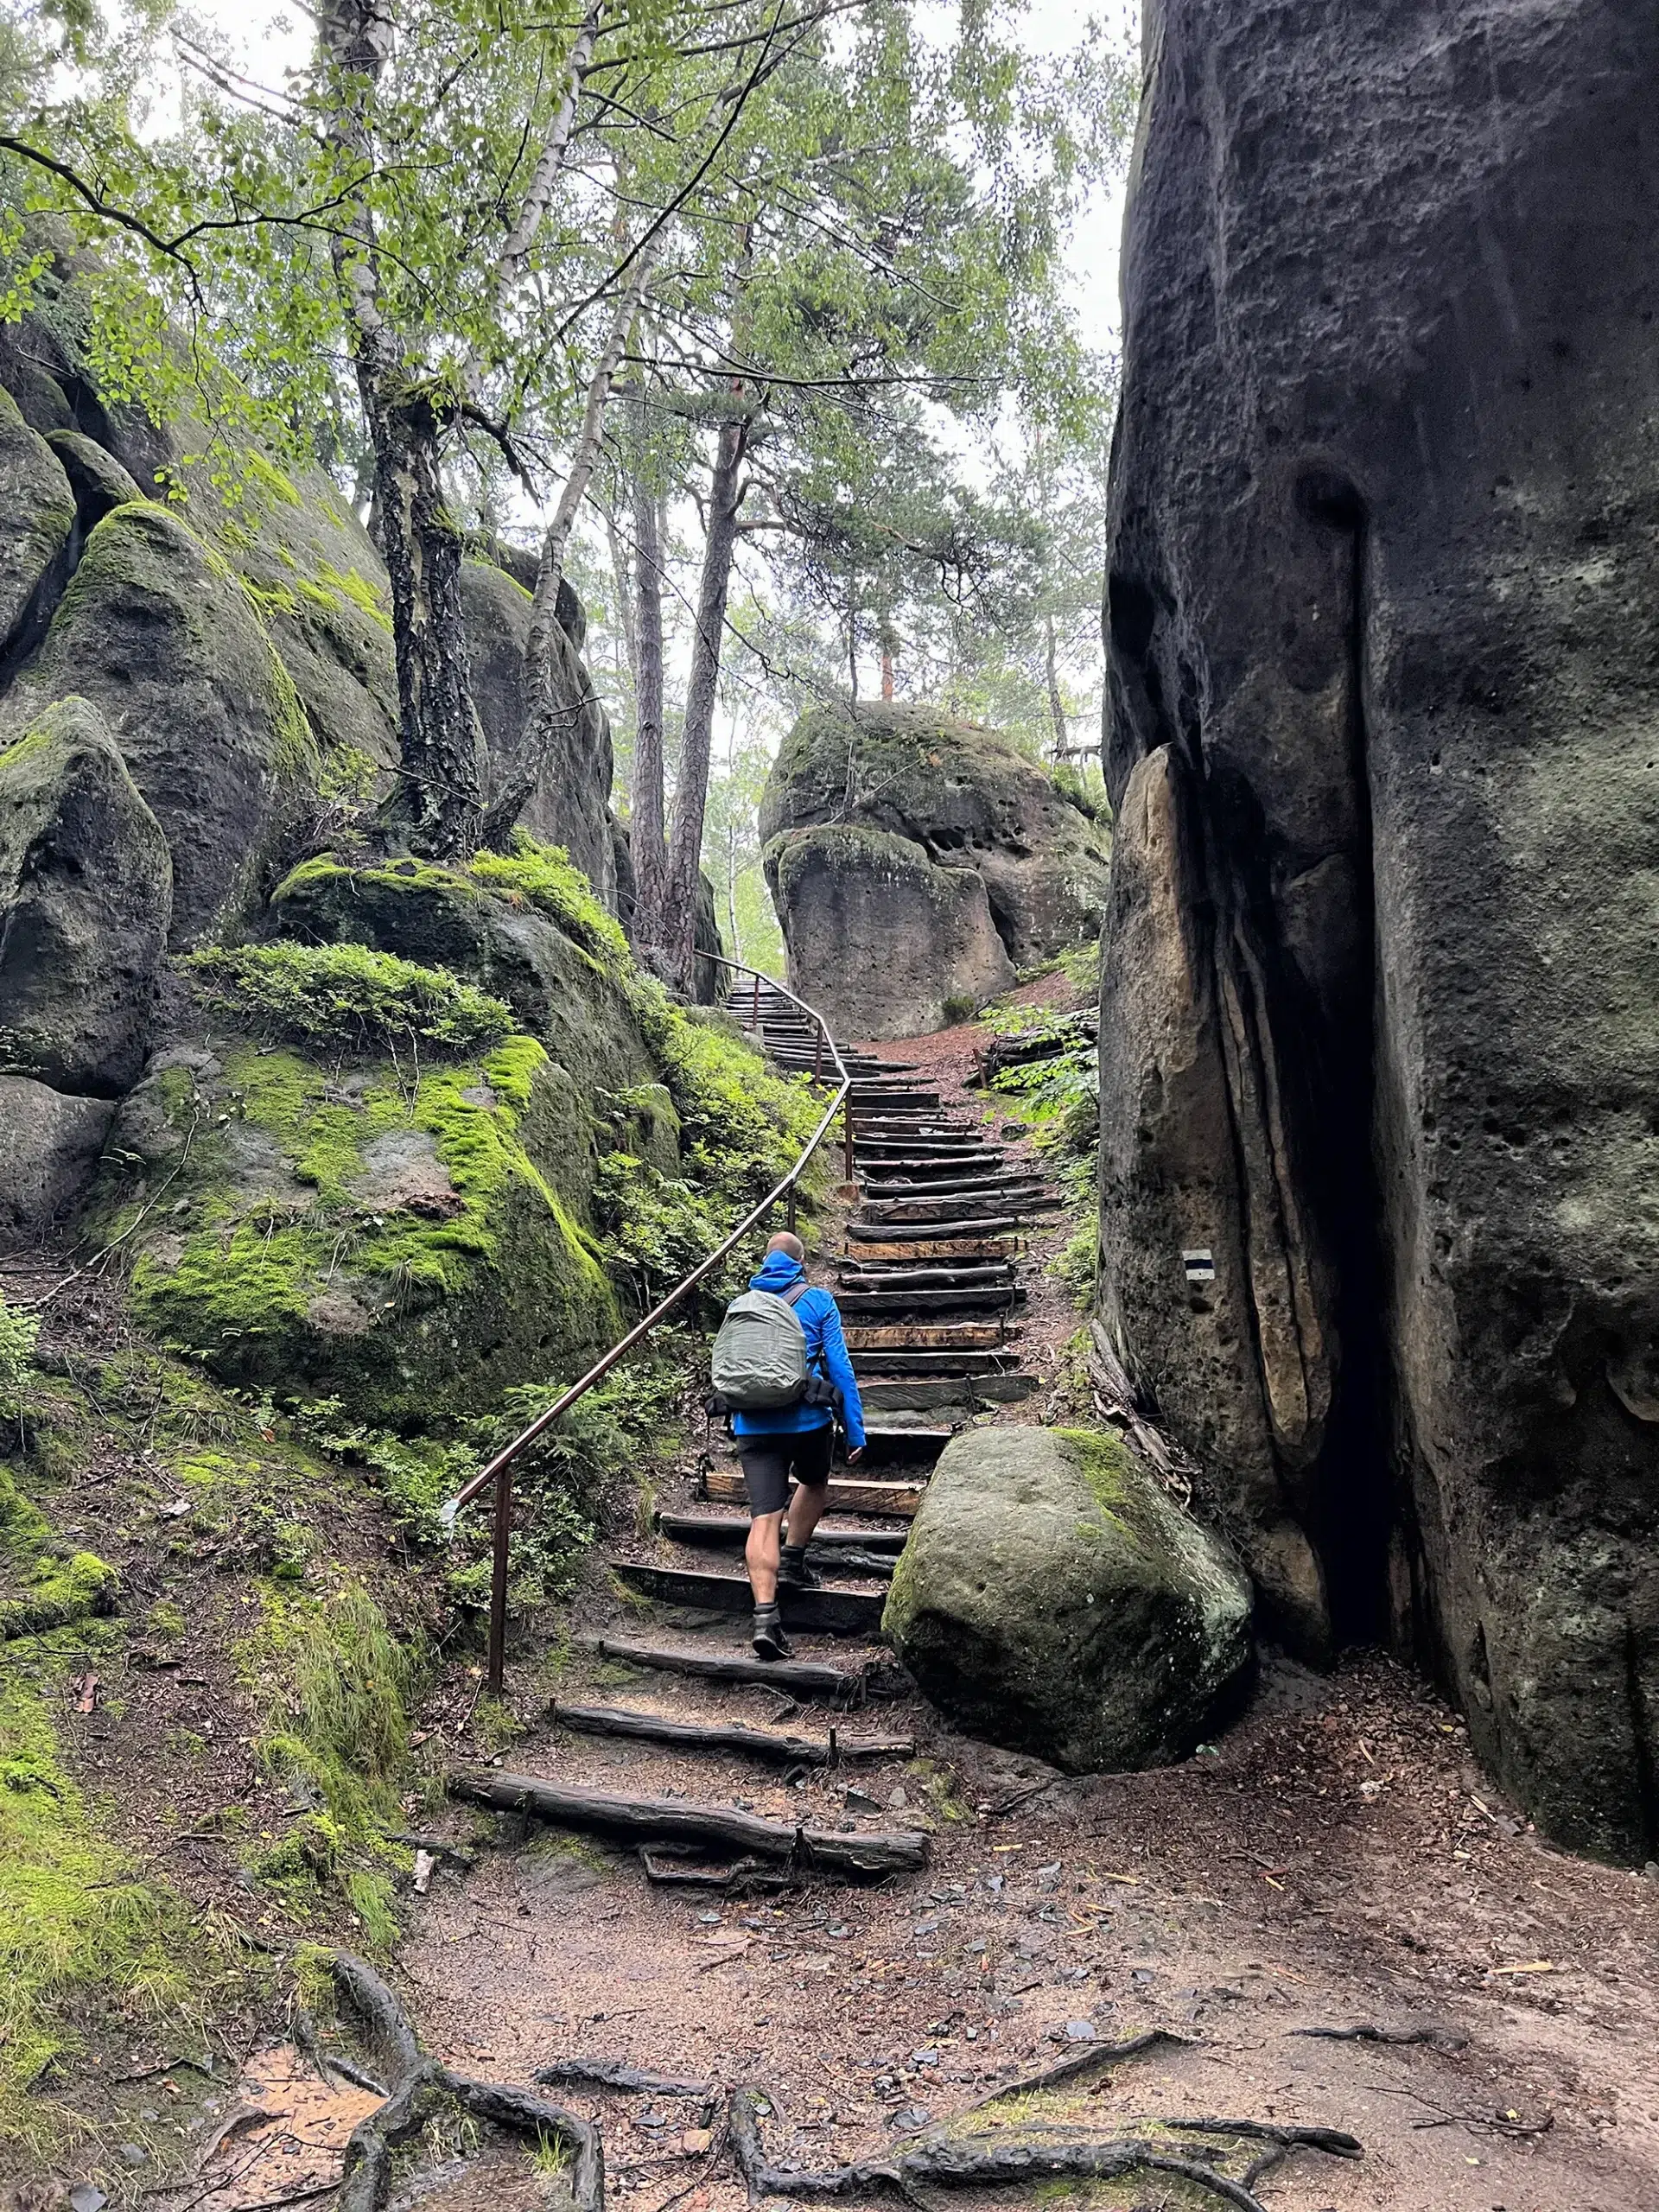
{"x": 332, "y": 1683}
{"x": 60, "y": 1593}
{"x": 350, "y": 585}
{"x": 270, "y": 478}
{"x": 1116, "y": 1483}
{"x": 545, "y": 877}
{"x": 346, "y": 995}
{"x": 80, "y": 1934}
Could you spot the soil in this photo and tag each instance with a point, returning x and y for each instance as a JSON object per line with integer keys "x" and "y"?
{"x": 1335, "y": 1860}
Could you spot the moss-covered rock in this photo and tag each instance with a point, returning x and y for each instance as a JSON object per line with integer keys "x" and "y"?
{"x": 1052, "y": 1598}
{"x": 37, "y": 511}
{"x": 155, "y": 630}
{"x": 883, "y": 941}
{"x": 967, "y": 796}
{"x": 405, "y": 1239}
{"x": 53, "y": 1144}
{"x": 86, "y": 898}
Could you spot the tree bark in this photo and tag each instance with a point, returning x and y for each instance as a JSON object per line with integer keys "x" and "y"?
{"x": 647, "y": 801}
{"x": 726, "y": 492}
{"x": 434, "y": 807}
{"x": 1055, "y": 708}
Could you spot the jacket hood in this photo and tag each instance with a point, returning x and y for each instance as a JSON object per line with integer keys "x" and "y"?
{"x": 779, "y": 1273}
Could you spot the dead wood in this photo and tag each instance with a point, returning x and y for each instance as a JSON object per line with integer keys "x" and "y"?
{"x": 612, "y": 2073}
{"x": 1335, "y": 2142}
{"x": 653, "y": 1819}
{"x": 733, "y": 1736}
{"x": 366, "y": 2174}
{"x": 801, "y": 1677}
{"x": 736, "y": 1880}
{"x": 379, "y": 2010}
{"x": 949, "y": 2165}
{"x": 1080, "y": 2062}
{"x": 1363, "y": 2032}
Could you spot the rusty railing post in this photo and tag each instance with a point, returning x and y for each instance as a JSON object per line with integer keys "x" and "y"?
{"x": 497, "y": 1657}
{"x": 757, "y": 999}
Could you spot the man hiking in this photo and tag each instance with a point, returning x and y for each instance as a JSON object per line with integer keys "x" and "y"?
{"x": 790, "y": 1439}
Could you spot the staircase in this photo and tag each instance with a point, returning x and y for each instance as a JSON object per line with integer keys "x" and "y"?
{"x": 926, "y": 1275}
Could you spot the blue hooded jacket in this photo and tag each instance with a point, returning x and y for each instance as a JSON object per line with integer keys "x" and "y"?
{"x": 826, "y": 1355}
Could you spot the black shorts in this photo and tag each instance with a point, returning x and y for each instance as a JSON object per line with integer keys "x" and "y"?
{"x": 770, "y": 1462}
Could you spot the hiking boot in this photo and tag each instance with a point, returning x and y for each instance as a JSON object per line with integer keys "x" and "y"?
{"x": 793, "y": 1573}
{"x": 770, "y": 1641}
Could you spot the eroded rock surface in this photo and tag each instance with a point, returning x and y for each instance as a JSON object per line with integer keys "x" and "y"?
{"x": 53, "y": 1143}
{"x": 962, "y": 799}
{"x": 85, "y": 896}
{"x": 1378, "y": 1039}
{"x": 1053, "y": 1599}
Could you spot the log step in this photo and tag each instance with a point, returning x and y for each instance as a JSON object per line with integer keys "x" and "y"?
{"x": 929, "y": 1390}
{"x": 865, "y": 1304}
{"x": 893, "y": 1501}
{"x": 677, "y": 1820}
{"x": 886, "y": 1442}
{"x": 921, "y": 1212}
{"x": 966, "y": 1367}
{"x": 968, "y": 1278}
{"x": 801, "y": 1677}
{"x": 926, "y": 1336}
{"x": 731, "y": 1736}
{"x": 728, "y": 1528}
{"x": 836, "y": 1613}
{"x": 860, "y": 1232}
{"x": 949, "y": 1247}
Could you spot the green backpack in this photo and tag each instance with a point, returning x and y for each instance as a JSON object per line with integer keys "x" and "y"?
{"x": 758, "y": 1362}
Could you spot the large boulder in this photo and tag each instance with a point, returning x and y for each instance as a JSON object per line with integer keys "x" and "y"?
{"x": 967, "y": 796}
{"x": 1053, "y": 1599}
{"x": 53, "y": 1146}
{"x": 1379, "y": 1051}
{"x": 86, "y": 897}
{"x": 157, "y": 632}
{"x": 881, "y": 940}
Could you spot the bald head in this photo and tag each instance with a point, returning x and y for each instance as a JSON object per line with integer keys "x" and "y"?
{"x": 788, "y": 1244}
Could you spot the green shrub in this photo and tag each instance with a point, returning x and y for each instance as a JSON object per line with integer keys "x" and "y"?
{"x": 346, "y": 996}
{"x": 654, "y": 1229}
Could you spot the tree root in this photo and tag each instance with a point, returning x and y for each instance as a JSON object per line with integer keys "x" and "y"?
{"x": 946, "y": 2165}
{"x": 1082, "y": 2062}
{"x": 611, "y": 2074}
{"x": 1442, "y": 2039}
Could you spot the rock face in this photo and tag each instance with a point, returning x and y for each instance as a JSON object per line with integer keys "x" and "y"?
{"x": 1053, "y": 1598}
{"x": 882, "y": 941}
{"x": 35, "y": 518}
{"x": 85, "y": 896}
{"x": 964, "y": 799}
{"x": 1379, "y": 1052}
{"x": 53, "y": 1143}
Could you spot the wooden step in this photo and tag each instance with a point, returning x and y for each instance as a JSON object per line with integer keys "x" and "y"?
{"x": 926, "y": 1393}
{"x": 929, "y": 1213}
{"x": 859, "y": 1232}
{"x": 865, "y": 1304}
{"x": 895, "y": 1443}
{"x": 729, "y": 1736}
{"x": 836, "y": 1612}
{"x": 977, "y": 1168}
{"x": 964, "y": 1277}
{"x": 724, "y": 1530}
{"x": 926, "y": 1336}
{"x": 966, "y": 1366}
{"x": 893, "y": 1501}
{"x": 801, "y": 1677}
{"x": 1014, "y": 1189}
{"x": 949, "y": 1247}
{"x": 681, "y": 1820}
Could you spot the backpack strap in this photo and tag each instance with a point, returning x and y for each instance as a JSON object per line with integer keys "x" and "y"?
{"x": 799, "y": 1292}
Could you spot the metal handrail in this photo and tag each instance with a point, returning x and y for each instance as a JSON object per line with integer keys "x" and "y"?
{"x": 500, "y": 1468}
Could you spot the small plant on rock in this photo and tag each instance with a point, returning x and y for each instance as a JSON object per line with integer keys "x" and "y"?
{"x": 344, "y": 994}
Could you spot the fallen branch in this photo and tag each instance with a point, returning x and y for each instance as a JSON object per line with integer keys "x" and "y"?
{"x": 611, "y": 2074}
{"x": 736, "y": 1880}
{"x": 652, "y": 1818}
{"x": 1362, "y": 2032}
{"x": 735, "y": 1736}
{"x": 378, "y": 2009}
{"x": 1080, "y": 2062}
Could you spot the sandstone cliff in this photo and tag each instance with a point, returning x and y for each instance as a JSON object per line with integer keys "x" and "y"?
{"x": 1378, "y": 1033}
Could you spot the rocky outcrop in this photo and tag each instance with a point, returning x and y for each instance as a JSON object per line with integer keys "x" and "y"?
{"x": 882, "y": 941}
{"x": 962, "y": 799}
{"x": 52, "y": 1145}
{"x": 36, "y": 516}
{"x": 86, "y": 897}
{"x": 1378, "y": 1049}
{"x": 1051, "y": 1598}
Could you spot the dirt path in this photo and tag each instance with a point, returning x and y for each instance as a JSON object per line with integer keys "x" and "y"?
{"x": 1335, "y": 1861}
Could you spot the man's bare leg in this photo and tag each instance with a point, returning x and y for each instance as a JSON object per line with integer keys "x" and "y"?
{"x": 807, "y": 1502}
{"x": 761, "y": 1554}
